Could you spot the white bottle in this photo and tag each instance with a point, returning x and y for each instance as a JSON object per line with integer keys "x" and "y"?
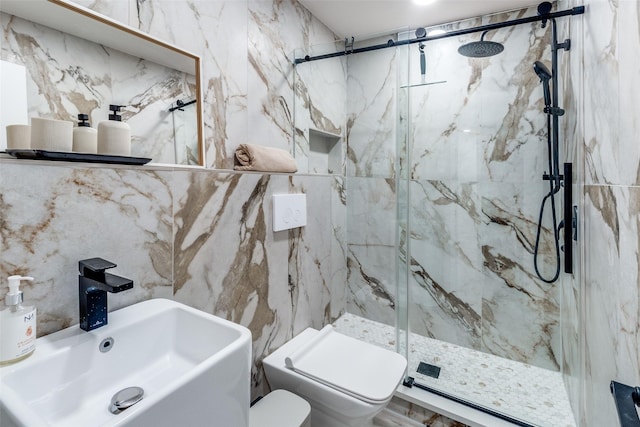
{"x": 114, "y": 136}
{"x": 17, "y": 325}
{"x": 85, "y": 138}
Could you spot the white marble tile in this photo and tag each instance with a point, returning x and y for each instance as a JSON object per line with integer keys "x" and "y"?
{"x": 371, "y": 113}
{"x": 612, "y": 295}
{"x": 115, "y": 9}
{"x": 446, "y": 284}
{"x": 371, "y": 215}
{"x": 310, "y": 258}
{"x": 371, "y": 247}
{"x": 400, "y": 413}
{"x": 320, "y": 102}
{"x": 339, "y": 278}
{"x": 270, "y": 109}
{"x": 491, "y": 126}
{"x": 230, "y": 262}
{"x": 602, "y": 110}
{"x": 54, "y": 217}
{"x": 629, "y": 102}
{"x": 217, "y": 31}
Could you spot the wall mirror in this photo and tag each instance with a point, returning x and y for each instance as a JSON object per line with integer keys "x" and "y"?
{"x": 79, "y": 61}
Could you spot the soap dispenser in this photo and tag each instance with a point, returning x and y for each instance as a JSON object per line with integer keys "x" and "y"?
{"x": 17, "y": 325}
{"x": 114, "y": 136}
{"x": 85, "y": 138}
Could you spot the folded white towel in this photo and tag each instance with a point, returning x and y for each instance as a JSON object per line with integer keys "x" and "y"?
{"x": 251, "y": 157}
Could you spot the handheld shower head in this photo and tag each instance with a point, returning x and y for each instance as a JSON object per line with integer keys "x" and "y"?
{"x": 545, "y": 75}
{"x": 542, "y": 71}
{"x": 423, "y": 60}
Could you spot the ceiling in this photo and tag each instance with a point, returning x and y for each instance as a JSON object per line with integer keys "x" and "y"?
{"x": 368, "y": 18}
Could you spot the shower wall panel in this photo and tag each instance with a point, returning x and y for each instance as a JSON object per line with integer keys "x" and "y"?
{"x": 320, "y": 103}
{"x": 478, "y": 152}
{"x": 371, "y": 184}
{"x": 611, "y": 240}
{"x": 571, "y": 132}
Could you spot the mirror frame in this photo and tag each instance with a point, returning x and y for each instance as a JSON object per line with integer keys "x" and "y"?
{"x": 79, "y": 21}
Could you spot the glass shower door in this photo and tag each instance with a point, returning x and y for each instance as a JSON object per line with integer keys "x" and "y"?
{"x": 481, "y": 327}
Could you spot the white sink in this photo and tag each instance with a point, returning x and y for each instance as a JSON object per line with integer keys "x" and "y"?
{"x": 194, "y": 369}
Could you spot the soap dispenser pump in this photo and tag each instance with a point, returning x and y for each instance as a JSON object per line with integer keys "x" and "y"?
{"x": 85, "y": 138}
{"x": 114, "y": 136}
{"x": 17, "y": 325}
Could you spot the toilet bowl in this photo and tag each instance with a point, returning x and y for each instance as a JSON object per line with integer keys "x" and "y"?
{"x": 346, "y": 381}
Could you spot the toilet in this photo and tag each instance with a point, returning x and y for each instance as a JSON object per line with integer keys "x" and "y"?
{"x": 280, "y": 408}
{"x": 346, "y": 381}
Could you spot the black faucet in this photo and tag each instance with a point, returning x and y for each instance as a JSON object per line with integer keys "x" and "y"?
{"x": 93, "y": 286}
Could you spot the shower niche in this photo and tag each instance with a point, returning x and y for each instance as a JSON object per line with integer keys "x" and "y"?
{"x": 325, "y": 152}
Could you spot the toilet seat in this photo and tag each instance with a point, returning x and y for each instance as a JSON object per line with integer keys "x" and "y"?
{"x": 359, "y": 369}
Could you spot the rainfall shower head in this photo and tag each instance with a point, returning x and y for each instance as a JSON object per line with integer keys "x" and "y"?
{"x": 481, "y": 49}
{"x": 545, "y": 75}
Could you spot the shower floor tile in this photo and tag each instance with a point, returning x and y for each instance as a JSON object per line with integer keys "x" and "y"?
{"x": 534, "y": 395}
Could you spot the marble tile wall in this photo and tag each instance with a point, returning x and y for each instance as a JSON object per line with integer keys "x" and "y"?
{"x": 400, "y": 413}
{"x": 320, "y": 103}
{"x": 610, "y": 36}
{"x": 570, "y": 82}
{"x": 200, "y": 236}
{"x": 371, "y": 184}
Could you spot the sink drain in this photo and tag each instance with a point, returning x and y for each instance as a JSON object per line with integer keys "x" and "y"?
{"x": 125, "y": 398}
{"x": 106, "y": 345}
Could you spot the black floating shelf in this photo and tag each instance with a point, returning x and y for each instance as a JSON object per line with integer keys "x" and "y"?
{"x": 77, "y": 157}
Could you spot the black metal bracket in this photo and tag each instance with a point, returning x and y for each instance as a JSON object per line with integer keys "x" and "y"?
{"x": 627, "y": 398}
{"x": 348, "y": 45}
{"x": 547, "y": 177}
{"x": 566, "y": 45}
{"x": 408, "y": 382}
{"x": 574, "y": 223}
{"x": 568, "y": 219}
{"x": 180, "y": 104}
{"x": 554, "y": 111}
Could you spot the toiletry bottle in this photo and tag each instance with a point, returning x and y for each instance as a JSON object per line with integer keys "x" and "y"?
{"x": 85, "y": 138}
{"x": 17, "y": 325}
{"x": 114, "y": 136}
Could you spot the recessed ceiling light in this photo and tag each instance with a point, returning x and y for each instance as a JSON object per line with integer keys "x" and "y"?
{"x": 424, "y": 2}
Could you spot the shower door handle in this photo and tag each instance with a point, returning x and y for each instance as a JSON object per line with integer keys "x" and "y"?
{"x": 568, "y": 217}
{"x": 626, "y": 399}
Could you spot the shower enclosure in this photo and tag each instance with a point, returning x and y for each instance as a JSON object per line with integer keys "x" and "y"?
{"x": 444, "y": 157}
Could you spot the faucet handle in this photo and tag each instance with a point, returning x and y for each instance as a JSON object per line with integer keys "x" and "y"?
{"x": 94, "y": 265}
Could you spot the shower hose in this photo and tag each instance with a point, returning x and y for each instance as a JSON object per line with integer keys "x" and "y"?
{"x": 554, "y": 187}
